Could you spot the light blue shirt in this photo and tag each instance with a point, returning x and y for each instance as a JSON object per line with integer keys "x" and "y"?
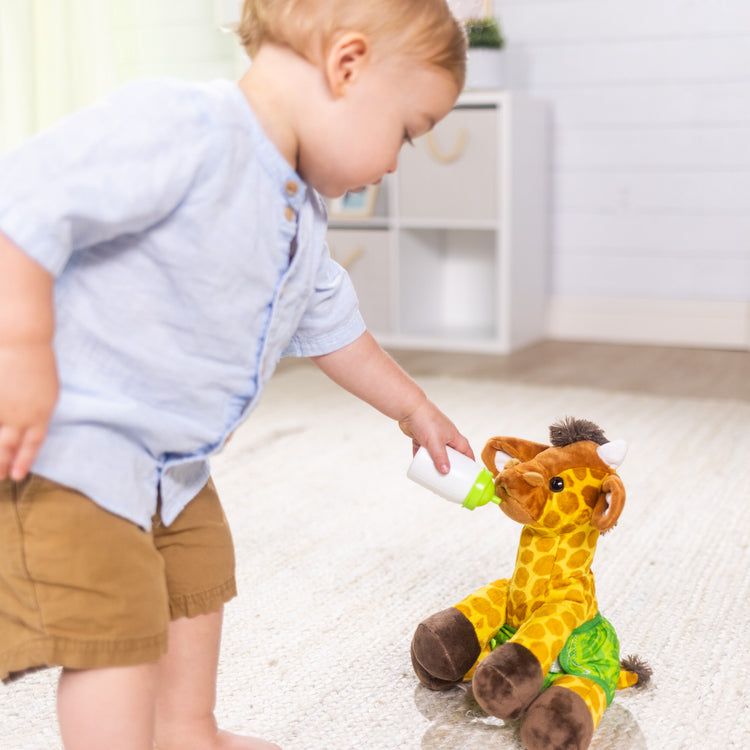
{"x": 190, "y": 257}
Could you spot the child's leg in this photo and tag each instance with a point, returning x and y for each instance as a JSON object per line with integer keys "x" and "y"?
{"x": 186, "y": 694}
{"x": 109, "y": 708}
{"x": 83, "y": 589}
{"x": 199, "y": 564}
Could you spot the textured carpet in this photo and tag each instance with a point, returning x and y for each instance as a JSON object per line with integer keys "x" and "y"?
{"x": 340, "y": 557}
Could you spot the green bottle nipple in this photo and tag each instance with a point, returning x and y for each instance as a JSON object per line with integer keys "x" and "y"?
{"x": 482, "y": 492}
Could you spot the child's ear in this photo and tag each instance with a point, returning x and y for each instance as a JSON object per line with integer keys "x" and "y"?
{"x": 347, "y": 57}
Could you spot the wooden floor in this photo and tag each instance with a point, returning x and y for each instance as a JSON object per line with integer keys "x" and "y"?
{"x": 697, "y": 373}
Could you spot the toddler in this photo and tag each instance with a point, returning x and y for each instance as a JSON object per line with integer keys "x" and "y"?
{"x": 159, "y": 253}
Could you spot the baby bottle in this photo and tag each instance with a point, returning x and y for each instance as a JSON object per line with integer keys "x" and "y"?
{"x": 467, "y": 483}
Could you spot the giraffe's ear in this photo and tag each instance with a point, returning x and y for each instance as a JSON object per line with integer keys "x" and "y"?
{"x": 503, "y": 448}
{"x": 610, "y": 503}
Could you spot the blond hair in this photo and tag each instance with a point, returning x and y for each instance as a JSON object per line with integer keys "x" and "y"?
{"x": 425, "y": 30}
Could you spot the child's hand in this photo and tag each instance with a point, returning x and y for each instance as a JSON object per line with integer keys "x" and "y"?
{"x": 365, "y": 370}
{"x": 28, "y": 376}
{"x": 427, "y": 426}
{"x": 28, "y": 393}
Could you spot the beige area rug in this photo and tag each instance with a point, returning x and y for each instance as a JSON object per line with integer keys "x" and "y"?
{"x": 340, "y": 557}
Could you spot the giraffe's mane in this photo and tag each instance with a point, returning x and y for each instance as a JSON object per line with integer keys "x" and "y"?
{"x": 571, "y": 430}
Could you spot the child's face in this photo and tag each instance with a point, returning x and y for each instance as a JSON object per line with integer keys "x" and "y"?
{"x": 390, "y": 104}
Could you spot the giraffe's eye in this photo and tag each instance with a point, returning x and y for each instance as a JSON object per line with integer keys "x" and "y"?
{"x": 557, "y": 484}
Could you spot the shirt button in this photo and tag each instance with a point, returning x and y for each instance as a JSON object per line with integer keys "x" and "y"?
{"x": 289, "y": 213}
{"x": 291, "y": 187}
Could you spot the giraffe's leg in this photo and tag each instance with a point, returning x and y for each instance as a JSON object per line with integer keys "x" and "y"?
{"x": 447, "y": 644}
{"x": 443, "y": 649}
{"x": 486, "y": 609}
{"x": 507, "y": 681}
{"x": 564, "y": 716}
{"x": 592, "y": 694}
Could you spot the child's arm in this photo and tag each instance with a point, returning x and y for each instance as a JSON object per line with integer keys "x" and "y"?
{"x": 365, "y": 370}
{"x": 28, "y": 376}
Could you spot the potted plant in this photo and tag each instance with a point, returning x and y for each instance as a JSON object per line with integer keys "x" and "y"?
{"x": 485, "y": 44}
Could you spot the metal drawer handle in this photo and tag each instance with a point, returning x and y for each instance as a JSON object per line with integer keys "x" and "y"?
{"x": 447, "y": 157}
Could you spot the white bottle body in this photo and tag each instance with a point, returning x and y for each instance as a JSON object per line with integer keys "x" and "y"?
{"x": 455, "y": 485}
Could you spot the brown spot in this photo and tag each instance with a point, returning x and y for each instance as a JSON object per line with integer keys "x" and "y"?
{"x": 569, "y": 620}
{"x": 577, "y": 540}
{"x": 496, "y": 595}
{"x": 580, "y": 474}
{"x": 543, "y": 566}
{"x": 590, "y": 495}
{"x": 556, "y": 646}
{"x": 568, "y": 502}
{"x": 551, "y": 519}
{"x": 521, "y": 577}
{"x": 577, "y": 610}
{"x": 535, "y": 631}
{"x": 495, "y": 618}
{"x": 481, "y": 605}
{"x": 546, "y": 543}
{"x": 539, "y": 589}
{"x": 578, "y": 559}
{"x": 522, "y": 612}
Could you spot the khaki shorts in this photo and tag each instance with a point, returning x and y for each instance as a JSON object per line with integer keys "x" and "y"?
{"x": 83, "y": 588}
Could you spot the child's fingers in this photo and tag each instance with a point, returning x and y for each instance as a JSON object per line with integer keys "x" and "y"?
{"x": 26, "y": 453}
{"x": 10, "y": 438}
{"x": 18, "y": 449}
{"x": 462, "y": 445}
{"x": 439, "y": 457}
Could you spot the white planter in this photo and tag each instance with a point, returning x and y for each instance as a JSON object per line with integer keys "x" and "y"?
{"x": 484, "y": 69}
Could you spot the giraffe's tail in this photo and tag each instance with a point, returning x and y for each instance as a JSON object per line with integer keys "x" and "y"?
{"x": 634, "y": 671}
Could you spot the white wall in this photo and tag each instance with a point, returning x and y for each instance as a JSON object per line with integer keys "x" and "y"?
{"x": 650, "y": 139}
{"x": 650, "y": 175}
{"x": 179, "y": 38}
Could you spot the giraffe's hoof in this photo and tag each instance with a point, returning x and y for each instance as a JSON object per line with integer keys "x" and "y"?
{"x": 507, "y": 681}
{"x": 443, "y": 649}
{"x": 558, "y": 719}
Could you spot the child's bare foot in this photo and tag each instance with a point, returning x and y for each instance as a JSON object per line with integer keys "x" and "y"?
{"x": 228, "y": 741}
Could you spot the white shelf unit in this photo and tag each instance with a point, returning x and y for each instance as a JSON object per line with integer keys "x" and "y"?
{"x": 454, "y": 254}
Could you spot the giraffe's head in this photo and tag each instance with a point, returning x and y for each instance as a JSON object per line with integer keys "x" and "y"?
{"x": 562, "y": 486}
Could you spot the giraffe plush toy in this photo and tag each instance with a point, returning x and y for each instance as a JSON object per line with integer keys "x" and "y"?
{"x": 535, "y": 645}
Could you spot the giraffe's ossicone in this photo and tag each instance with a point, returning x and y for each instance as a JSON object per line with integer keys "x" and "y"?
{"x": 535, "y": 645}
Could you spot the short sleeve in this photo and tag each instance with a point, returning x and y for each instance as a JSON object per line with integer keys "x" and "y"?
{"x": 331, "y": 319}
{"x": 115, "y": 168}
